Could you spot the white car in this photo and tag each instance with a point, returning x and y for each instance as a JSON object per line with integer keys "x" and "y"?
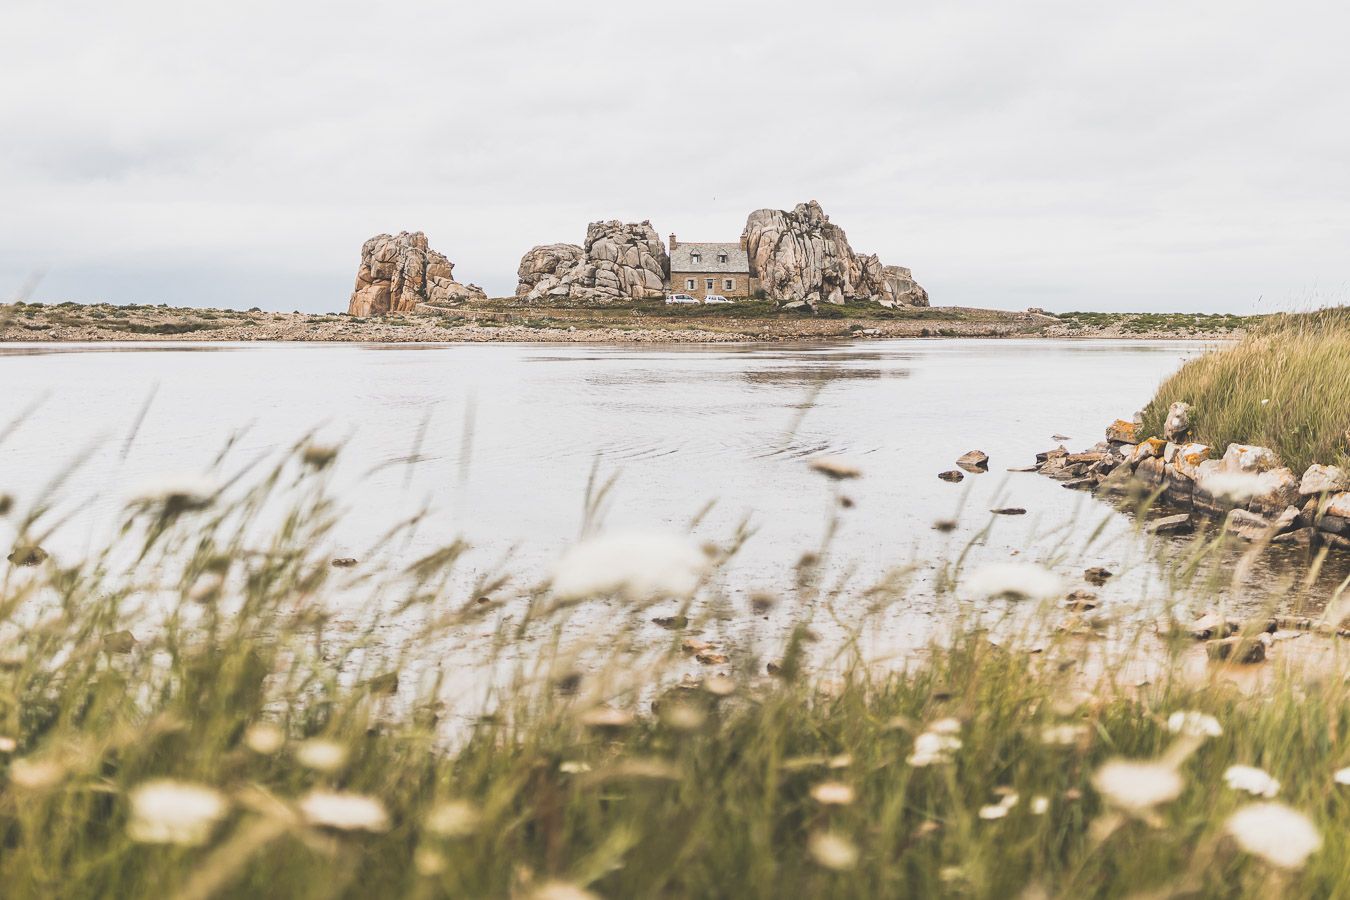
{"x": 715, "y": 298}
{"x": 681, "y": 298}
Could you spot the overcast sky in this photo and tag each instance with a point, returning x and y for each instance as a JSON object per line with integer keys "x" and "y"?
{"x": 1073, "y": 155}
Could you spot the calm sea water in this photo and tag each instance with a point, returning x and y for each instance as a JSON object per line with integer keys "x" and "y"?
{"x": 499, "y": 441}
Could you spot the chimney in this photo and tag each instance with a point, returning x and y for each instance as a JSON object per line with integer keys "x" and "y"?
{"x": 673, "y": 242}
{"x": 745, "y": 241}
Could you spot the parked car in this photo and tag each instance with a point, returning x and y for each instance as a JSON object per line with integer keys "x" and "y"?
{"x": 681, "y": 298}
{"x": 715, "y": 298}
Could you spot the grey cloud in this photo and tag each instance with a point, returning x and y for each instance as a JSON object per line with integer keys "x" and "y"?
{"x": 1152, "y": 155}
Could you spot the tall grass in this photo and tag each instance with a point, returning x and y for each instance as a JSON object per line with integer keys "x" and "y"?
{"x": 1285, "y": 386}
{"x": 213, "y": 645}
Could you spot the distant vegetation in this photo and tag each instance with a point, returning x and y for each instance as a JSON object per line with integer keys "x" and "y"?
{"x": 1285, "y": 386}
{"x": 1181, "y": 323}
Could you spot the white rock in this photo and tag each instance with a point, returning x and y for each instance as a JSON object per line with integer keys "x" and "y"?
{"x": 1323, "y": 479}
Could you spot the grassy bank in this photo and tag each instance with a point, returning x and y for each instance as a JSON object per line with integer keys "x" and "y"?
{"x": 209, "y": 708}
{"x": 1285, "y": 386}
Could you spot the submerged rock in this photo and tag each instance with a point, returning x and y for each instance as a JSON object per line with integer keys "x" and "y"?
{"x": 1097, "y": 575}
{"x": 30, "y": 555}
{"x": 975, "y": 461}
{"x": 1237, "y": 649}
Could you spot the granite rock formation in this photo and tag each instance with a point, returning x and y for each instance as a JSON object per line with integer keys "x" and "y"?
{"x": 802, "y": 258}
{"x": 618, "y": 262}
{"x": 397, "y": 274}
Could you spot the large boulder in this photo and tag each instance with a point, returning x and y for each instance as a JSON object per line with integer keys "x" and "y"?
{"x": 399, "y": 273}
{"x": 618, "y": 262}
{"x": 801, "y": 257}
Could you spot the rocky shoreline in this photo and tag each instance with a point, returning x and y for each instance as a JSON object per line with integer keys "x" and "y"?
{"x": 508, "y": 321}
{"x": 1247, "y": 490}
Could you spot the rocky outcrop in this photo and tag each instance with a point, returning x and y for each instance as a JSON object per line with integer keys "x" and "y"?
{"x": 397, "y": 274}
{"x": 802, "y": 258}
{"x": 618, "y": 262}
{"x": 898, "y": 288}
{"x": 1257, "y": 497}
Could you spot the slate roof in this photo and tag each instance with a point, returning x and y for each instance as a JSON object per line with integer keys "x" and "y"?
{"x": 682, "y": 259}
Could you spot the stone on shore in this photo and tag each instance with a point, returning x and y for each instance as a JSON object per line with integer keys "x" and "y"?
{"x": 1178, "y": 524}
{"x": 1188, "y": 456}
{"x": 1248, "y": 525}
{"x": 1323, "y": 480}
{"x": 399, "y": 273}
{"x": 1249, "y": 458}
{"x": 1122, "y": 432}
{"x": 1178, "y": 424}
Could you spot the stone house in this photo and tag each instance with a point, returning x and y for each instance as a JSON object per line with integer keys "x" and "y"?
{"x": 701, "y": 269}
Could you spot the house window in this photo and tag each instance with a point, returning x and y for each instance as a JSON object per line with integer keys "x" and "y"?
{"x": 689, "y": 284}
{"x": 728, "y": 284}
{"x": 711, "y": 282}
{"x": 696, "y": 257}
{"x": 721, "y": 257}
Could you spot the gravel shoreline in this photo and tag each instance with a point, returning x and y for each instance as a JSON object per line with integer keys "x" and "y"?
{"x": 71, "y": 323}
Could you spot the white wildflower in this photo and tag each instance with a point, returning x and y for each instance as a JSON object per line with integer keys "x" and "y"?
{"x": 176, "y": 493}
{"x": 174, "y": 812}
{"x": 945, "y": 726}
{"x": 719, "y": 685}
{"x": 561, "y": 890}
{"x": 1040, "y": 805}
{"x": 1063, "y": 735}
{"x": 1252, "y": 780}
{"x": 1000, "y": 809}
{"x": 573, "y": 767}
{"x": 1025, "y": 581}
{"x": 833, "y": 851}
{"x": 1341, "y": 776}
{"x": 1194, "y": 724}
{"x": 264, "y": 738}
{"x": 322, "y": 755}
{"x": 36, "y": 774}
{"x": 344, "y": 811}
{"x": 454, "y": 818}
{"x": 683, "y": 716}
{"x": 832, "y": 793}
{"x": 429, "y": 862}
{"x": 931, "y": 748}
{"x": 1281, "y": 836}
{"x": 638, "y": 566}
{"x": 8, "y": 745}
{"x": 1136, "y": 786}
